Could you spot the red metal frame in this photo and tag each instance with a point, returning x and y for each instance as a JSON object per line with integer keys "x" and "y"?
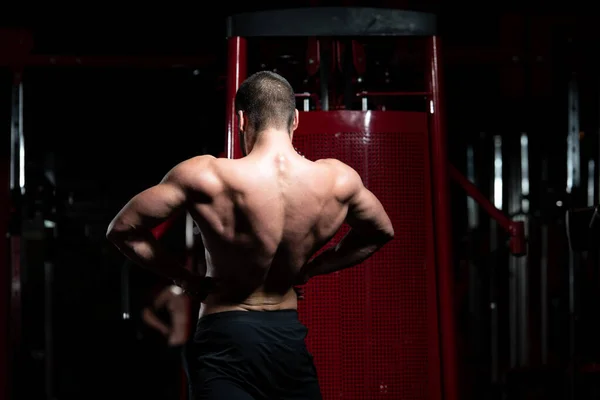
{"x": 319, "y": 125}
{"x": 349, "y": 121}
{"x": 435, "y": 362}
{"x": 391, "y": 94}
{"x": 442, "y": 218}
{"x": 516, "y": 229}
{"x": 237, "y": 71}
{"x": 313, "y": 56}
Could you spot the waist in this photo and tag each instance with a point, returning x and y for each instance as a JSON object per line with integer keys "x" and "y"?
{"x": 258, "y": 300}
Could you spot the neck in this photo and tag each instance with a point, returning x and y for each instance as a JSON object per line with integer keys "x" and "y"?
{"x": 272, "y": 140}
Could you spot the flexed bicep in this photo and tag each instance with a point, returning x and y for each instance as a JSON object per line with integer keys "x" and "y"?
{"x": 131, "y": 231}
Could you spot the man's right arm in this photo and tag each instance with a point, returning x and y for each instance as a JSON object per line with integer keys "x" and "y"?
{"x": 370, "y": 229}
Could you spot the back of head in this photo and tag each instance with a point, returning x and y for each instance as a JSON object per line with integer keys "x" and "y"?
{"x": 268, "y": 101}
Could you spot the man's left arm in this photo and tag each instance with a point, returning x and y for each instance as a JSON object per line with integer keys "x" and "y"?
{"x": 131, "y": 230}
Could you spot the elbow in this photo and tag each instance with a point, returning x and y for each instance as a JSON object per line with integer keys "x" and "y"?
{"x": 111, "y": 235}
{"x": 384, "y": 236}
{"x": 388, "y": 236}
{"x": 122, "y": 234}
{"x": 115, "y": 232}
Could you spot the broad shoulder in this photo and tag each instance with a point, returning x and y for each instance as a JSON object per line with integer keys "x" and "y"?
{"x": 196, "y": 174}
{"x": 342, "y": 171}
{"x": 347, "y": 180}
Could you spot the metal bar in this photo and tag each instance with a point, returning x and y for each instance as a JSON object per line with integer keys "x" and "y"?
{"x": 494, "y": 242}
{"x": 511, "y": 188}
{"x": 494, "y": 336}
{"x": 191, "y": 262}
{"x": 306, "y": 98}
{"x": 518, "y": 182}
{"x": 326, "y": 49}
{"x": 486, "y": 204}
{"x": 125, "y": 285}
{"x": 472, "y": 209}
{"x": 494, "y": 312}
{"x": 474, "y": 281}
{"x": 331, "y": 22}
{"x": 544, "y": 293}
{"x": 591, "y": 183}
{"x": 14, "y": 325}
{"x": 236, "y": 74}
{"x": 573, "y": 183}
{"x": 573, "y": 145}
{"x": 525, "y": 173}
{"x": 522, "y": 290}
{"x": 17, "y": 183}
{"x": 48, "y": 60}
{"x": 189, "y": 232}
{"x": 596, "y": 156}
{"x": 472, "y": 222}
{"x": 5, "y": 348}
{"x": 573, "y": 261}
{"x": 431, "y": 271}
{"x": 48, "y": 329}
{"x": 17, "y": 150}
{"x": 388, "y": 94}
{"x": 516, "y": 229}
{"x": 521, "y": 204}
{"x": 441, "y": 207}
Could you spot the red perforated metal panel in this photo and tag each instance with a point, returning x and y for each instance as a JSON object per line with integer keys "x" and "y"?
{"x": 373, "y": 328}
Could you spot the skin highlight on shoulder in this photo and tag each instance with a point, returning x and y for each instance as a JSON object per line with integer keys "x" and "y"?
{"x": 347, "y": 180}
{"x": 199, "y": 174}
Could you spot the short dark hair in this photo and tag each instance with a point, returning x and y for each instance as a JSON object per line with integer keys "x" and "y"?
{"x": 268, "y": 100}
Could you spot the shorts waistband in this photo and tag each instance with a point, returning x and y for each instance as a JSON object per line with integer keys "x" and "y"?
{"x": 277, "y": 317}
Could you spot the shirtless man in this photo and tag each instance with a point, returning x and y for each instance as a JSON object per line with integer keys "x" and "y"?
{"x": 262, "y": 219}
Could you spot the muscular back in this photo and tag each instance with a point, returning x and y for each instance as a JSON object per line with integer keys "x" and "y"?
{"x": 262, "y": 219}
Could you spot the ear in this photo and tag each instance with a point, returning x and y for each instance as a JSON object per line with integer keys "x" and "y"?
{"x": 295, "y": 124}
{"x": 242, "y": 122}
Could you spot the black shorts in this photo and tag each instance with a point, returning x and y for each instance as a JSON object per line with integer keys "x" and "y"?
{"x": 251, "y": 355}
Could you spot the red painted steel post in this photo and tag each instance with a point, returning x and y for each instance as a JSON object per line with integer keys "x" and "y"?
{"x": 237, "y": 71}
{"x": 443, "y": 232}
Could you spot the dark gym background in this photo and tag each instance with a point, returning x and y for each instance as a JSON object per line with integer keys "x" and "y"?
{"x": 100, "y": 128}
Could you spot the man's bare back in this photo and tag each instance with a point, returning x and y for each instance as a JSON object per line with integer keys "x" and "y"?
{"x": 262, "y": 219}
